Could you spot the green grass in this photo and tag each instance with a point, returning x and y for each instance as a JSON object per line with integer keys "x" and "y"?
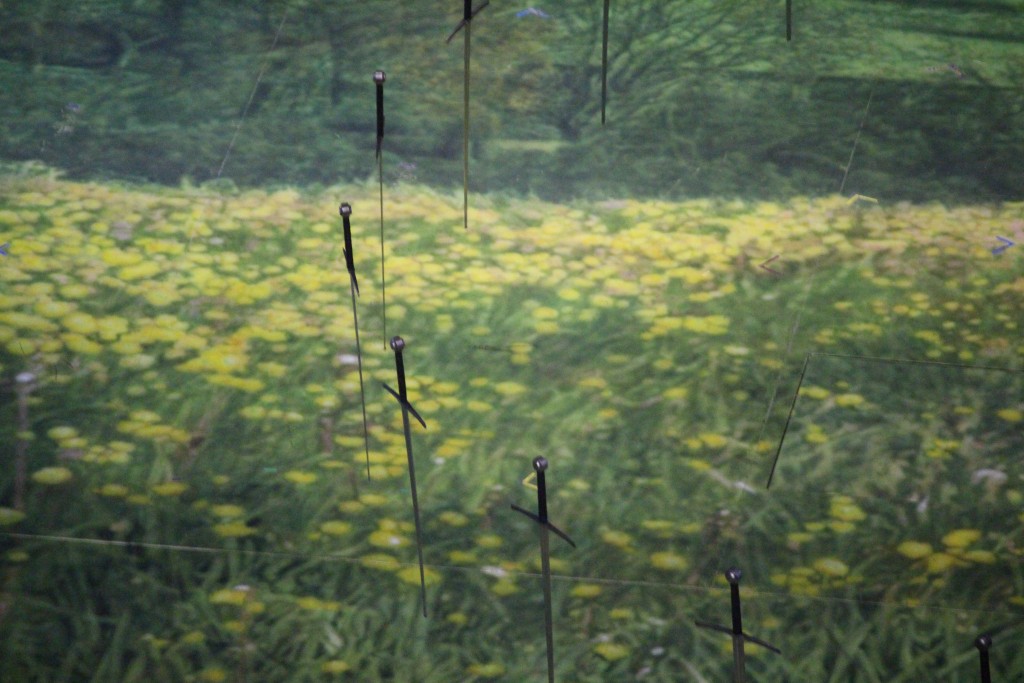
{"x": 197, "y": 505}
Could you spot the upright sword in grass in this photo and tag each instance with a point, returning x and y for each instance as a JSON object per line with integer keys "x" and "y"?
{"x": 468, "y": 13}
{"x": 540, "y": 465}
{"x": 378, "y": 78}
{"x": 346, "y": 212}
{"x": 738, "y": 636}
{"x": 398, "y": 344}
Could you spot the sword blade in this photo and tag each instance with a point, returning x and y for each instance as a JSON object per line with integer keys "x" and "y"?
{"x": 415, "y": 504}
{"x": 465, "y": 128}
{"x": 549, "y": 631}
{"x": 738, "y": 659}
{"x": 359, "y": 360}
{"x": 383, "y": 282}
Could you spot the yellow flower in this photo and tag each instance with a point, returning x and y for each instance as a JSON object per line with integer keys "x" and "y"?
{"x": 980, "y": 556}
{"x": 10, "y": 516}
{"x": 62, "y": 433}
{"x": 335, "y": 528}
{"x": 380, "y": 561}
{"x": 669, "y": 561}
{"x": 51, "y": 476}
{"x": 1010, "y": 414}
{"x": 830, "y": 566}
{"x": 619, "y": 539}
{"x": 213, "y": 675}
{"x": 586, "y": 590}
{"x": 169, "y": 488}
{"x": 915, "y": 550}
{"x": 676, "y": 393}
{"x": 489, "y": 670}
{"x": 387, "y": 539}
{"x": 411, "y": 575}
{"x": 335, "y": 666}
{"x": 299, "y": 477}
{"x": 961, "y": 538}
{"x": 489, "y": 541}
{"x": 230, "y": 596}
{"x": 504, "y": 587}
{"x": 845, "y": 509}
{"x": 713, "y": 440}
{"x": 849, "y": 400}
{"x": 509, "y": 388}
{"x": 452, "y": 518}
{"x": 939, "y": 562}
{"x": 611, "y": 651}
{"x": 545, "y": 313}
{"x": 114, "y": 490}
{"x": 227, "y": 511}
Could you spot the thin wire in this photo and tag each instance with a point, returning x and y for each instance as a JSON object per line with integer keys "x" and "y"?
{"x": 252, "y": 95}
{"x": 856, "y": 139}
{"x": 634, "y": 583}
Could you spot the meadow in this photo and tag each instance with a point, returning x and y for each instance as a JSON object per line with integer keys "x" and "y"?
{"x": 184, "y": 492}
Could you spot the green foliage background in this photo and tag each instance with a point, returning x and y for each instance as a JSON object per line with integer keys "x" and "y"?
{"x": 182, "y": 482}
{"x": 704, "y": 97}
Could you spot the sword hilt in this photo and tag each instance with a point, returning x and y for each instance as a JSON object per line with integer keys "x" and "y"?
{"x": 540, "y": 465}
{"x": 983, "y": 643}
{"x": 468, "y": 13}
{"x": 379, "y": 77}
{"x": 397, "y": 345}
{"x": 733, "y": 576}
{"x": 346, "y": 211}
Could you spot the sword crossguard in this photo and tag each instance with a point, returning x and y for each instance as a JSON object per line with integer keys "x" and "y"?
{"x": 540, "y": 465}
{"x": 346, "y": 211}
{"x": 733, "y": 576}
{"x": 405, "y": 404}
{"x": 468, "y": 13}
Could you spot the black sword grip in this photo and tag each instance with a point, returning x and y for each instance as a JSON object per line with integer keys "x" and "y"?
{"x": 737, "y": 613}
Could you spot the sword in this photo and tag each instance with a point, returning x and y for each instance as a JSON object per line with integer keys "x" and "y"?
{"x": 398, "y": 344}
{"x": 379, "y": 77}
{"x": 467, "y": 19}
{"x": 346, "y": 211}
{"x": 738, "y": 636}
{"x": 540, "y": 464}
{"x": 604, "y": 61}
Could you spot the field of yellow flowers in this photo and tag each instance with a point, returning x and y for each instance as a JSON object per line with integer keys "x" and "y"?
{"x": 184, "y": 491}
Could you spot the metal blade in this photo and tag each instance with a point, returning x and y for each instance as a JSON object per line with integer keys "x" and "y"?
{"x": 415, "y": 505}
{"x": 359, "y": 359}
{"x": 465, "y": 130}
{"x": 738, "y": 659}
{"x": 549, "y": 631}
{"x": 383, "y": 281}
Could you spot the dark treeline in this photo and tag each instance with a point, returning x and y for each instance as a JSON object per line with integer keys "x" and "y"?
{"x": 705, "y": 98}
